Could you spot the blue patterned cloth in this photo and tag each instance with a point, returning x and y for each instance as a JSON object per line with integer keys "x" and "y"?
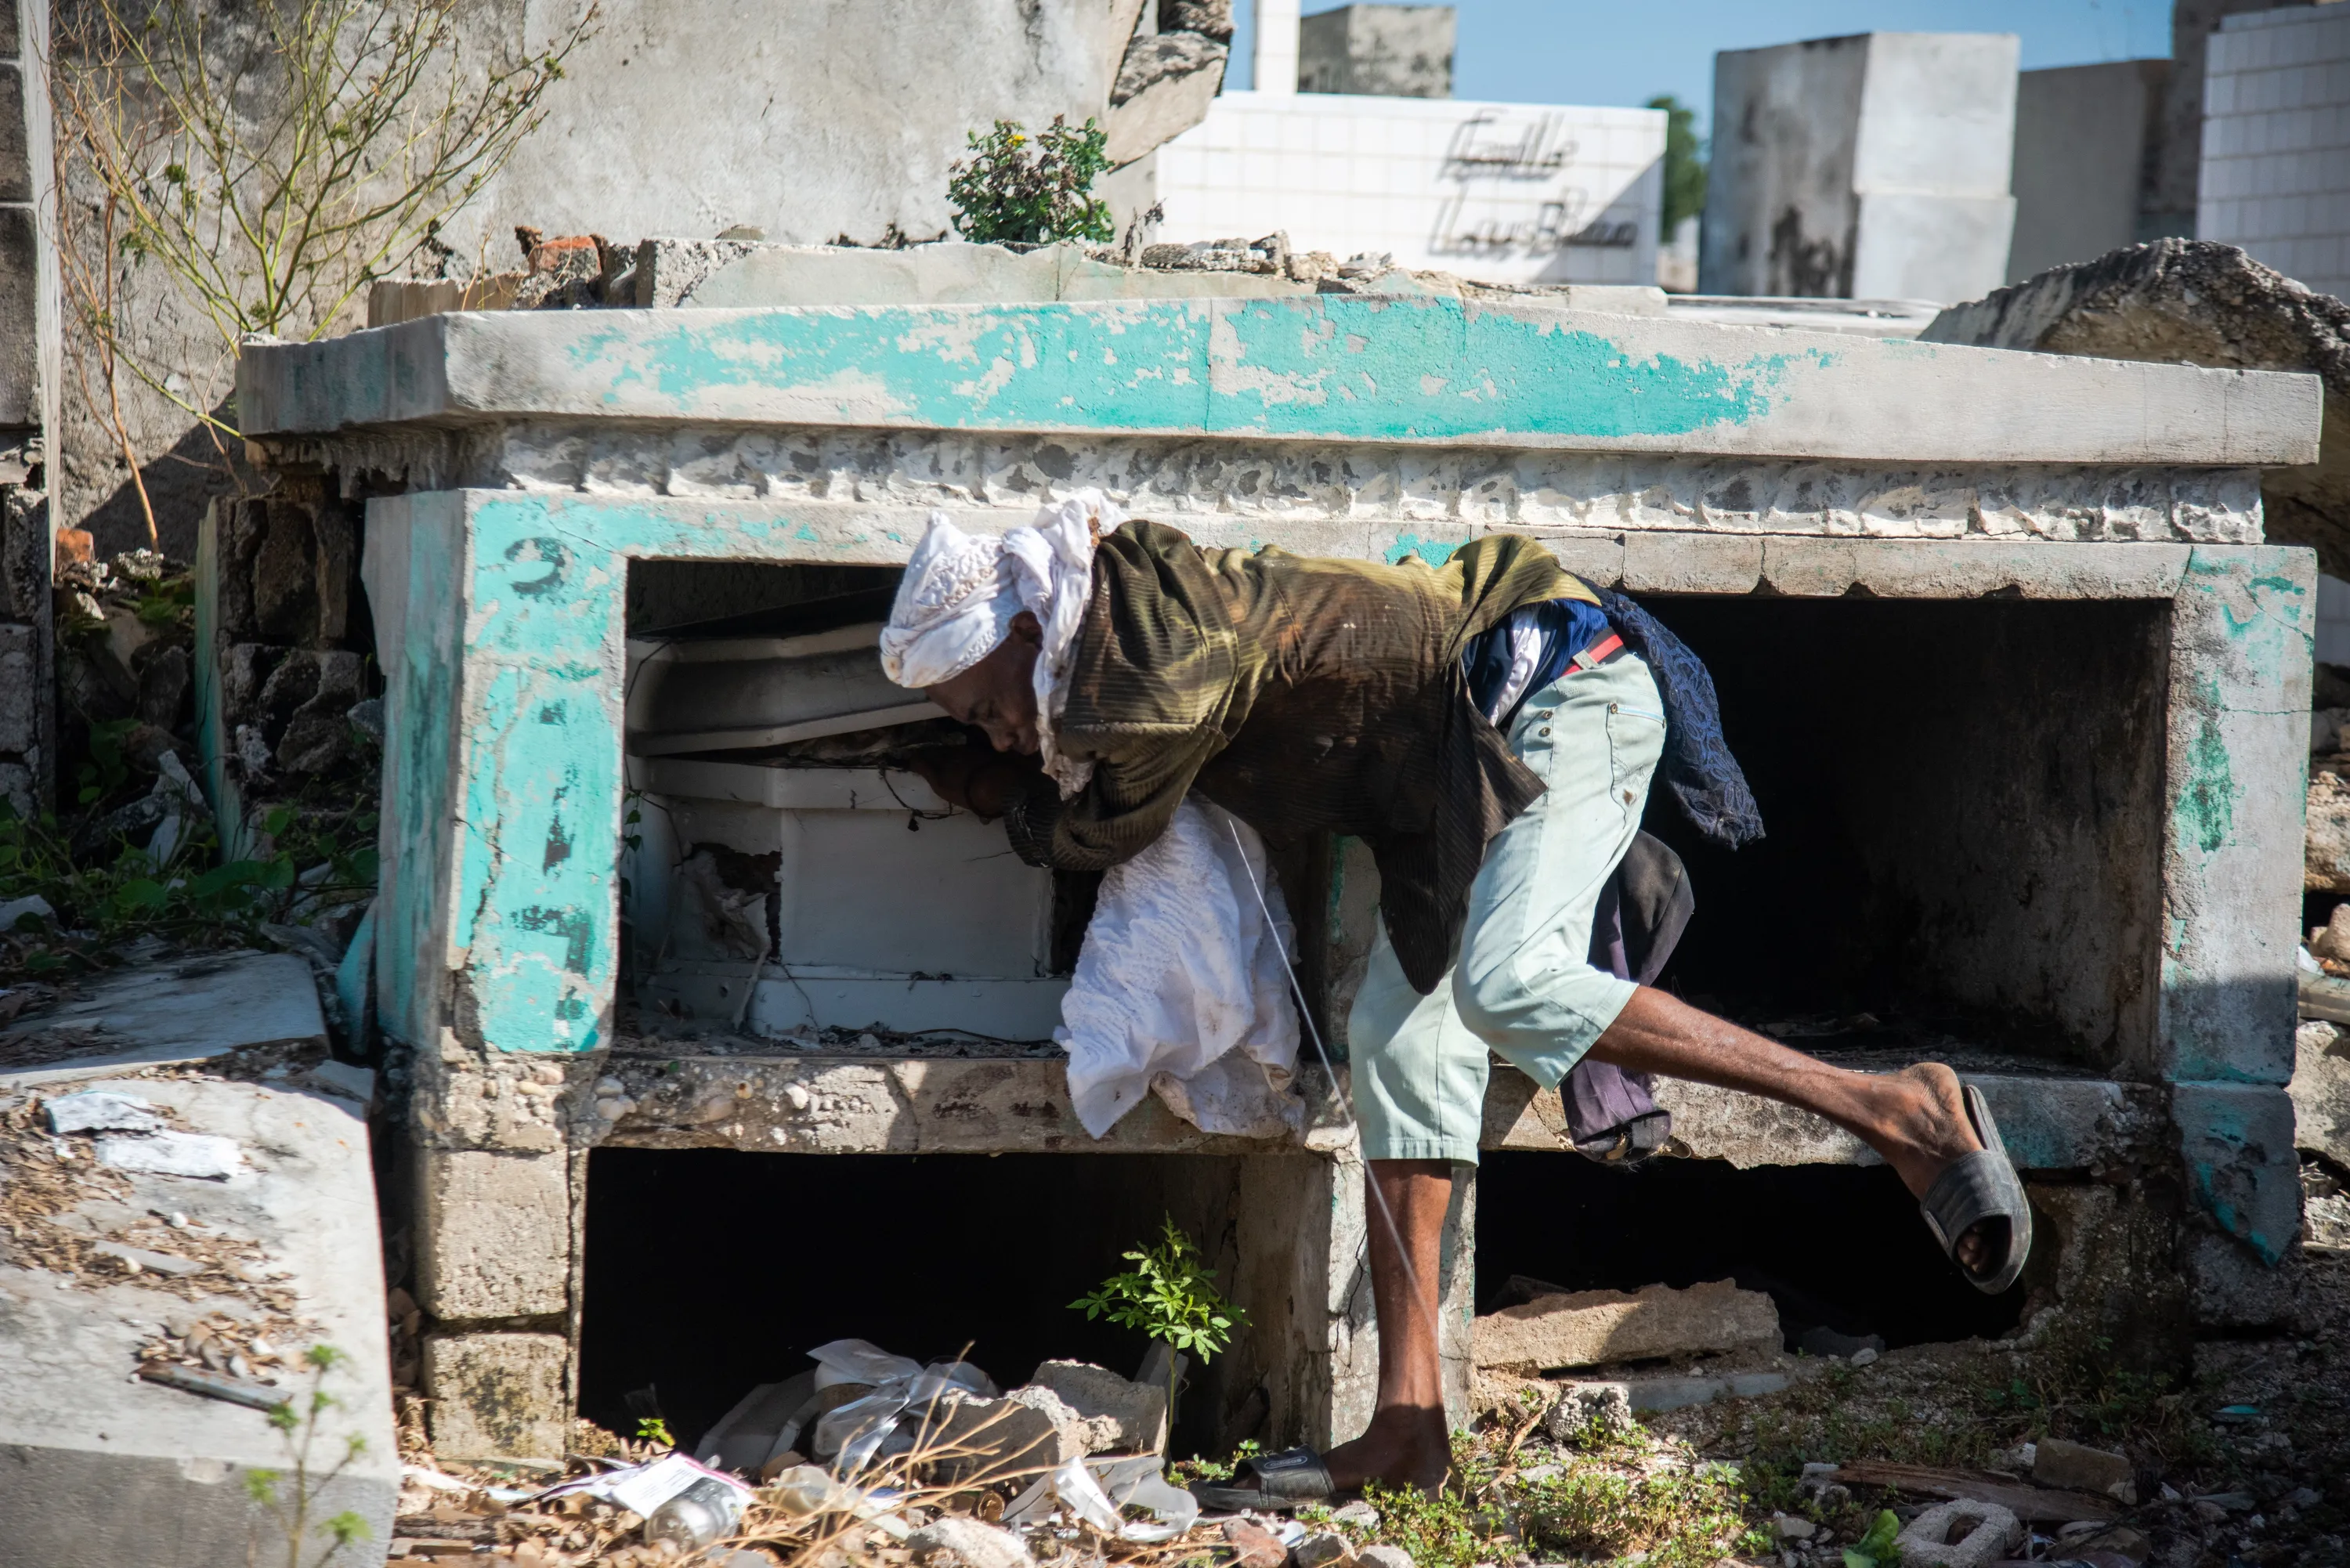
{"x": 1697, "y": 766}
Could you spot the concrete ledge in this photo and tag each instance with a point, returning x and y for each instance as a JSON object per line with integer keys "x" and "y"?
{"x": 1417, "y": 372}
{"x": 1002, "y": 1104}
{"x": 2049, "y": 1124}
{"x": 106, "y": 1471}
{"x": 816, "y": 1105}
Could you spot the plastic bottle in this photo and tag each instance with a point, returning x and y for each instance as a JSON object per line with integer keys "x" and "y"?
{"x": 702, "y": 1513}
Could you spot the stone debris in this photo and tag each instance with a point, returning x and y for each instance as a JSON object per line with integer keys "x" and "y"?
{"x": 957, "y": 1542}
{"x": 1321, "y": 1548}
{"x": 1118, "y": 1415}
{"x": 1963, "y": 1534}
{"x": 1253, "y": 1546}
{"x": 2058, "y": 1463}
{"x": 203, "y": 1156}
{"x": 1591, "y": 1328}
{"x": 1384, "y": 1556}
{"x": 95, "y": 1110}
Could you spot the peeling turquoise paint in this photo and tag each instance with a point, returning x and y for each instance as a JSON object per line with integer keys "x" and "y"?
{"x": 2208, "y": 804}
{"x": 1335, "y": 366}
{"x": 1435, "y": 552}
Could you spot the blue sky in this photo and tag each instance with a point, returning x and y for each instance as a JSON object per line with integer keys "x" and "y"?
{"x": 1626, "y": 51}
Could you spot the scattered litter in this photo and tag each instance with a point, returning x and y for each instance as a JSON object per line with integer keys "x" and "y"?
{"x": 31, "y": 904}
{"x": 703, "y": 1512}
{"x": 642, "y": 1489}
{"x": 1136, "y": 1482}
{"x": 856, "y": 1431}
{"x": 139, "y": 1258}
{"x": 99, "y": 1110}
{"x": 203, "y": 1154}
{"x": 215, "y": 1385}
{"x": 2237, "y": 1415}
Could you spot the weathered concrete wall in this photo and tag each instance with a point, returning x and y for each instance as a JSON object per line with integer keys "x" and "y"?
{"x": 1874, "y": 166}
{"x": 1388, "y": 51}
{"x": 1670, "y": 458}
{"x": 841, "y": 119}
{"x": 2081, "y": 138}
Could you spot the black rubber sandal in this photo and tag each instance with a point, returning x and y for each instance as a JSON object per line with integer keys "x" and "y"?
{"x": 1291, "y": 1479}
{"x": 1976, "y": 1189}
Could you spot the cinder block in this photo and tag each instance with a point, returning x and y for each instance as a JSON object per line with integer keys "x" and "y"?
{"x": 20, "y": 689}
{"x": 494, "y": 1234}
{"x": 495, "y": 1396}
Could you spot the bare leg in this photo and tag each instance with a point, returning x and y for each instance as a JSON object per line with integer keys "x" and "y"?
{"x": 1406, "y": 1443}
{"x": 1914, "y": 1118}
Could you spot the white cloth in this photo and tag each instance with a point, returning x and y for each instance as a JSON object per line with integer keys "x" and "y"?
{"x": 1525, "y": 648}
{"x": 1182, "y": 986}
{"x": 961, "y": 590}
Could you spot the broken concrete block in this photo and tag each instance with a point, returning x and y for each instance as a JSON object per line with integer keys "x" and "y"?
{"x": 2077, "y": 1467}
{"x": 1026, "y": 1432}
{"x": 1964, "y": 1535}
{"x": 1118, "y": 1415}
{"x": 1589, "y": 1328}
{"x": 957, "y": 1540}
{"x": 493, "y": 1233}
{"x": 105, "y": 1469}
{"x": 496, "y": 1396}
{"x": 1165, "y": 85}
{"x": 1384, "y": 1556}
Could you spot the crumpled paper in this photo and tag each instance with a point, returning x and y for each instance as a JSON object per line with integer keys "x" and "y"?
{"x": 1139, "y": 1483}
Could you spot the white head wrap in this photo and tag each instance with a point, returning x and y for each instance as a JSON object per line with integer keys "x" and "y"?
{"x": 960, "y": 591}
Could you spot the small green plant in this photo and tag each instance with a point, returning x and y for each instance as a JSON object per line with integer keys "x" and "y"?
{"x": 1876, "y": 1548}
{"x": 1018, "y": 189}
{"x": 1172, "y": 1297}
{"x": 297, "y": 1420}
{"x": 653, "y": 1429}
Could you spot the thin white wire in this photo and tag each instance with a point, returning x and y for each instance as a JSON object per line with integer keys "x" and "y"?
{"x": 1314, "y": 1032}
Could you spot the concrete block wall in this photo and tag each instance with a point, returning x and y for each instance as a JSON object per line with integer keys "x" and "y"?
{"x": 1874, "y": 166}
{"x": 2275, "y": 174}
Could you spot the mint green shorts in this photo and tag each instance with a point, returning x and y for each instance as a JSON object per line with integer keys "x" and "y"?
{"x": 1522, "y": 985}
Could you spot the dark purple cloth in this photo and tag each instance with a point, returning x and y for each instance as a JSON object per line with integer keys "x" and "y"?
{"x": 1642, "y": 909}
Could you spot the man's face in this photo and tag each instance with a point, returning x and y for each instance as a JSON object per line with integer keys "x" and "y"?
{"x": 998, "y": 694}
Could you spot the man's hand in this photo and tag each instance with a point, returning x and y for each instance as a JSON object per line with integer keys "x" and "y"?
{"x": 982, "y": 783}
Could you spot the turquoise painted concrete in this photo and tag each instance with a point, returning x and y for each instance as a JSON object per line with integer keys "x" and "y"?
{"x": 1334, "y": 366}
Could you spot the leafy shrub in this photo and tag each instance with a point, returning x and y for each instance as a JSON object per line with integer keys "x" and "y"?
{"x": 1016, "y": 189}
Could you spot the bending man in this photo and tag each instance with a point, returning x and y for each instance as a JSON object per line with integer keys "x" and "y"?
{"x": 1322, "y": 696}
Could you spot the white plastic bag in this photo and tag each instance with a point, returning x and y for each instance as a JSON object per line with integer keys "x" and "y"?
{"x": 1183, "y": 985}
